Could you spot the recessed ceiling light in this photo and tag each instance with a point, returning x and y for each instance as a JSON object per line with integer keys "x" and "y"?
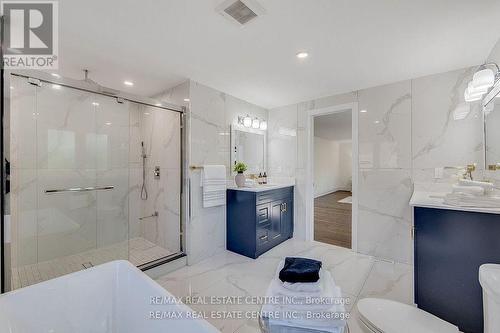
{"x": 128, "y": 83}
{"x": 146, "y": 113}
{"x": 55, "y": 75}
{"x": 363, "y": 111}
{"x": 95, "y": 104}
{"x": 158, "y": 104}
{"x": 108, "y": 123}
{"x": 302, "y": 55}
{"x": 377, "y": 121}
{"x": 186, "y": 99}
{"x": 56, "y": 86}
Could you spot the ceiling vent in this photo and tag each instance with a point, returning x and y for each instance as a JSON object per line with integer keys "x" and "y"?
{"x": 240, "y": 12}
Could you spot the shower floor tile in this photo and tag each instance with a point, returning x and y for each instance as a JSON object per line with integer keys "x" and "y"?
{"x": 140, "y": 251}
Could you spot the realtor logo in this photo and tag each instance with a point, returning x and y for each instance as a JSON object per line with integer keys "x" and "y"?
{"x": 30, "y": 34}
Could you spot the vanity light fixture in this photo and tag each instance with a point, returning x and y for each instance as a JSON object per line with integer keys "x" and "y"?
{"x": 186, "y": 100}
{"x": 484, "y": 78}
{"x": 55, "y": 75}
{"x": 302, "y": 55}
{"x": 263, "y": 125}
{"x": 363, "y": 111}
{"x": 95, "y": 104}
{"x": 56, "y": 86}
{"x": 376, "y": 122}
{"x": 256, "y": 123}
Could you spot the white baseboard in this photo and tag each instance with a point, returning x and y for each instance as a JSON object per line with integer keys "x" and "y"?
{"x": 331, "y": 191}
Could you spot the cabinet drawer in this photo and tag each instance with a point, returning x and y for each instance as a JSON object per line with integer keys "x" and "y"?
{"x": 262, "y": 236}
{"x": 273, "y": 195}
{"x": 263, "y": 214}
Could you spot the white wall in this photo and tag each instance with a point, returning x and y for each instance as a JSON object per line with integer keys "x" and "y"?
{"x": 408, "y": 131}
{"x": 345, "y": 161}
{"x": 332, "y": 166}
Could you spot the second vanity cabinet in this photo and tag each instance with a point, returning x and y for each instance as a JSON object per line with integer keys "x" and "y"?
{"x": 258, "y": 220}
{"x": 450, "y": 245}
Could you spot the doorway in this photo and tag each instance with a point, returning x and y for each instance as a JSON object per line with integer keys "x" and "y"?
{"x": 332, "y": 175}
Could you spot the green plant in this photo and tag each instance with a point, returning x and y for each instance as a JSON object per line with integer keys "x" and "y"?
{"x": 240, "y": 167}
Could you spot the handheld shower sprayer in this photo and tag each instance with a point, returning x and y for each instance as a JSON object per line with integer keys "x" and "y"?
{"x": 144, "y": 191}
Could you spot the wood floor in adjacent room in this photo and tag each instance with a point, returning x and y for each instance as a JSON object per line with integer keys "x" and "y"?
{"x": 333, "y": 219}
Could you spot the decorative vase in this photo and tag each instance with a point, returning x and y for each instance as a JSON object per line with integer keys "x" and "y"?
{"x": 240, "y": 179}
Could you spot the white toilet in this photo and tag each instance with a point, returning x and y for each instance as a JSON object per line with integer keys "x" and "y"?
{"x": 386, "y": 316}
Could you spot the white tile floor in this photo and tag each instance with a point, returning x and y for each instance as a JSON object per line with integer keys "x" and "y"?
{"x": 229, "y": 274}
{"x": 139, "y": 252}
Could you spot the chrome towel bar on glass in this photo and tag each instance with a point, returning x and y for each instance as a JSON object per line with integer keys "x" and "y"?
{"x": 80, "y": 189}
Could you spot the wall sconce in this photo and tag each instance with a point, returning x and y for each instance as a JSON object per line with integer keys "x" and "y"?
{"x": 484, "y": 78}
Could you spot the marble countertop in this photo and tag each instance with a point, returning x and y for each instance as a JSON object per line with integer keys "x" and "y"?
{"x": 436, "y": 200}
{"x": 260, "y": 188}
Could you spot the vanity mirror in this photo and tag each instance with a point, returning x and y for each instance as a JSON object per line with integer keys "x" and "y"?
{"x": 248, "y": 146}
{"x": 491, "y": 107}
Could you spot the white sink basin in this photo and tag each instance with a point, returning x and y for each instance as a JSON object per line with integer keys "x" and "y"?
{"x": 110, "y": 298}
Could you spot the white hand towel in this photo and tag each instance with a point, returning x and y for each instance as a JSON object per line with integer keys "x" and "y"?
{"x": 485, "y": 185}
{"x": 213, "y": 181}
{"x": 474, "y": 190}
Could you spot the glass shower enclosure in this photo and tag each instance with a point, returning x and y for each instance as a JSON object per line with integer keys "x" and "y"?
{"x": 91, "y": 178}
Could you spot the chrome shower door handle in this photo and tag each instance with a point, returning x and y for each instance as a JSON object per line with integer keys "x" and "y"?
{"x": 79, "y": 189}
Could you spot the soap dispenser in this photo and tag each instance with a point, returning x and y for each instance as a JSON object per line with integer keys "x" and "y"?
{"x": 259, "y": 180}
{"x": 265, "y": 178}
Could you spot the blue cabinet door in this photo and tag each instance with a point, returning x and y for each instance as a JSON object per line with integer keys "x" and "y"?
{"x": 276, "y": 231}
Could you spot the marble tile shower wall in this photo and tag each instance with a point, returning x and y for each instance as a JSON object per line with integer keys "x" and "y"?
{"x": 160, "y": 132}
{"x": 409, "y": 130}
{"x": 209, "y": 117}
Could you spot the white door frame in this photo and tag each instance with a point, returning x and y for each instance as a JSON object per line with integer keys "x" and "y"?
{"x": 310, "y": 168}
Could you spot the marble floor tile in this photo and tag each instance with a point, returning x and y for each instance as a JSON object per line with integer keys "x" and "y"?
{"x": 229, "y": 274}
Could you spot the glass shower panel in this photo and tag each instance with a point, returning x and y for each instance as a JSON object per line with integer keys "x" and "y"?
{"x": 112, "y": 153}
{"x": 69, "y": 151}
{"x": 66, "y": 221}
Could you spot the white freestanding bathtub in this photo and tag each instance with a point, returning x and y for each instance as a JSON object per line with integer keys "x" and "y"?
{"x": 114, "y": 298}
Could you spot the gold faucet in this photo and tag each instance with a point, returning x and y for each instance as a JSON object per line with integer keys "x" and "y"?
{"x": 469, "y": 169}
{"x": 494, "y": 167}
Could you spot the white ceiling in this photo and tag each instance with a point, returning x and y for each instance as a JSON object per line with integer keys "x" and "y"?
{"x": 353, "y": 44}
{"x": 334, "y": 127}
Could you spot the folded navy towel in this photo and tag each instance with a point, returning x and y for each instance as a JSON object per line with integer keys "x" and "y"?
{"x": 300, "y": 270}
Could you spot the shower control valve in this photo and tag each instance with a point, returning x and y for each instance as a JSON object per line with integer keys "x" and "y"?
{"x": 157, "y": 172}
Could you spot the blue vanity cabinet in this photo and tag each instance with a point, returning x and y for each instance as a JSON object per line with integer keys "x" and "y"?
{"x": 450, "y": 246}
{"x": 258, "y": 221}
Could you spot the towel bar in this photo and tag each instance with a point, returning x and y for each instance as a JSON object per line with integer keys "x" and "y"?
{"x": 195, "y": 167}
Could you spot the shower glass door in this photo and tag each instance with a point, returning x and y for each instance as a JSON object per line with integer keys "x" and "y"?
{"x": 70, "y": 180}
